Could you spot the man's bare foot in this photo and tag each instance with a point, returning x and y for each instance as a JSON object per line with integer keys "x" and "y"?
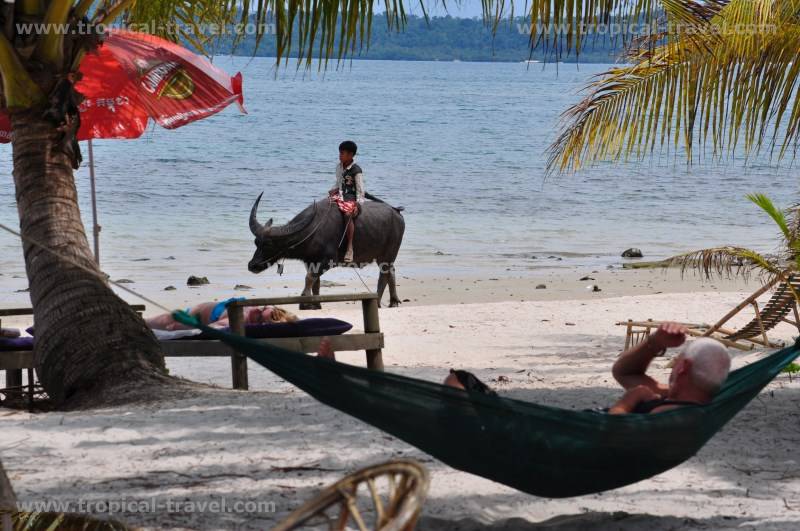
{"x": 348, "y": 256}
{"x": 326, "y": 349}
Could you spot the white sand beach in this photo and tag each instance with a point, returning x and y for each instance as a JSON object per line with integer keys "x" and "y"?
{"x": 276, "y": 444}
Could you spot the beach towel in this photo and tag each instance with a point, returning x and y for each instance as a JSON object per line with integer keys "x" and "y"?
{"x": 313, "y": 327}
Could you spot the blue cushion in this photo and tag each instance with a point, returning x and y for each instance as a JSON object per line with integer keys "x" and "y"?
{"x": 12, "y": 344}
{"x": 316, "y": 326}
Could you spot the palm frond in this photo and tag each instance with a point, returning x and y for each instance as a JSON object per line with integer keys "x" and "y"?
{"x": 341, "y": 28}
{"x": 725, "y": 262}
{"x": 793, "y": 216}
{"x": 720, "y": 86}
{"x": 774, "y": 212}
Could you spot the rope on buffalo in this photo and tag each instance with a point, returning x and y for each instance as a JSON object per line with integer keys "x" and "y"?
{"x": 316, "y": 227}
{"x": 355, "y": 270}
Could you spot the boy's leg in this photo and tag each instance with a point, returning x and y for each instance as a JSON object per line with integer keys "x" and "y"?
{"x": 351, "y": 230}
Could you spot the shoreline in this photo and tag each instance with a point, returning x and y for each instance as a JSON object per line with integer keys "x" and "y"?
{"x": 560, "y": 284}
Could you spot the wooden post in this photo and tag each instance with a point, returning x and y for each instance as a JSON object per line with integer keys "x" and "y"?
{"x": 14, "y": 379}
{"x": 372, "y": 325}
{"x": 95, "y": 225}
{"x": 31, "y": 380}
{"x": 238, "y": 360}
{"x": 628, "y": 333}
{"x": 8, "y": 501}
{"x": 761, "y": 324}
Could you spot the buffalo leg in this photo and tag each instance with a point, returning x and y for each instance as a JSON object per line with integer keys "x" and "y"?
{"x": 394, "y": 300}
{"x": 315, "y": 291}
{"x": 383, "y": 279}
{"x": 315, "y": 287}
{"x": 312, "y": 280}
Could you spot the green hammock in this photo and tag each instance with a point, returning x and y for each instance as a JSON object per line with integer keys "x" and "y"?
{"x": 541, "y": 450}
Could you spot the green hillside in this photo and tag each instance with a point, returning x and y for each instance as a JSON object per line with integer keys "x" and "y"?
{"x": 451, "y": 39}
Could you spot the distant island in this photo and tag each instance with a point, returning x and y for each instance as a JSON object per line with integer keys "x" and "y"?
{"x": 451, "y": 39}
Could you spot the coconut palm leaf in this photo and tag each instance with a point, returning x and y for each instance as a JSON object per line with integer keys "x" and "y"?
{"x": 726, "y": 262}
{"x": 793, "y": 217}
{"x": 340, "y": 28}
{"x": 720, "y": 86}
{"x": 774, "y": 212}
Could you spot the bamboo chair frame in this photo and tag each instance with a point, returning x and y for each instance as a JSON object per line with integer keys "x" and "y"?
{"x": 408, "y": 487}
{"x": 750, "y": 336}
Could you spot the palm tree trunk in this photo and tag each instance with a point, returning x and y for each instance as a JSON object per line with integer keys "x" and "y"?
{"x": 88, "y": 340}
{"x": 8, "y": 501}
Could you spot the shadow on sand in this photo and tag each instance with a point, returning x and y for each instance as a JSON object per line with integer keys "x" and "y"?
{"x": 597, "y": 521}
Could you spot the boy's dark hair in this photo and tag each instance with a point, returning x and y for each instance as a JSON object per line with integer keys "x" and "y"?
{"x": 348, "y": 145}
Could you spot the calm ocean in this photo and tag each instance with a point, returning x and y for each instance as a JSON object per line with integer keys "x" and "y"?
{"x": 460, "y": 145}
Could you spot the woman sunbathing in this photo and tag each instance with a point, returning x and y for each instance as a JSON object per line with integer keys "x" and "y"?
{"x": 215, "y": 314}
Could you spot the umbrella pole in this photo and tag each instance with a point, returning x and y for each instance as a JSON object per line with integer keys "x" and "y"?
{"x": 95, "y": 226}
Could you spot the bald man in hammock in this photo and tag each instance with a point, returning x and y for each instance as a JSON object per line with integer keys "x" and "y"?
{"x": 698, "y": 373}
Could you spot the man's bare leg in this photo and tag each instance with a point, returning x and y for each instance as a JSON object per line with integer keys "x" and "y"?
{"x": 326, "y": 349}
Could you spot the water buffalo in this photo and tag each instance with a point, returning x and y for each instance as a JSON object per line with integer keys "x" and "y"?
{"x": 315, "y": 236}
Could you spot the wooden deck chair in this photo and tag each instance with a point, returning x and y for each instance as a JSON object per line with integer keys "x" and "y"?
{"x": 748, "y": 337}
{"x": 774, "y": 312}
{"x": 403, "y": 485}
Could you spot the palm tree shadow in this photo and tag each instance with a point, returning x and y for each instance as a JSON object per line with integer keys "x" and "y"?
{"x": 598, "y": 521}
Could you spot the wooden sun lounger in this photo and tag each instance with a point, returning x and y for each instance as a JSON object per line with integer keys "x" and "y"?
{"x": 371, "y": 340}
{"x": 638, "y": 331}
{"x": 14, "y": 363}
{"x": 751, "y": 335}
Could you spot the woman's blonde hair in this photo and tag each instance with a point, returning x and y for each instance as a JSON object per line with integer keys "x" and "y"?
{"x": 279, "y": 315}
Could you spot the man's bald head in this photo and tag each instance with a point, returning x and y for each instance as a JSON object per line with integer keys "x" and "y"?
{"x": 709, "y": 364}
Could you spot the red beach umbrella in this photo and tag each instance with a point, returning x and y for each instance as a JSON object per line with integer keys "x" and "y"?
{"x": 134, "y": 77}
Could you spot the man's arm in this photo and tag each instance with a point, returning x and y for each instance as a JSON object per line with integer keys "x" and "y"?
{"x": 338, "y": 184}
{"x": 632, "y": 398}
{"x": 631, "y": 366}
{"x": 360, "y": 187}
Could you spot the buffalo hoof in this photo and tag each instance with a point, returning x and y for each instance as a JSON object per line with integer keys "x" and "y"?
{"x": 310, "y": 306}
{"x": 394, "y": 304}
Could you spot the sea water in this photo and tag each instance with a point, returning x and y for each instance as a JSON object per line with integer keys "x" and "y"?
{"x": 462, "y": 146}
